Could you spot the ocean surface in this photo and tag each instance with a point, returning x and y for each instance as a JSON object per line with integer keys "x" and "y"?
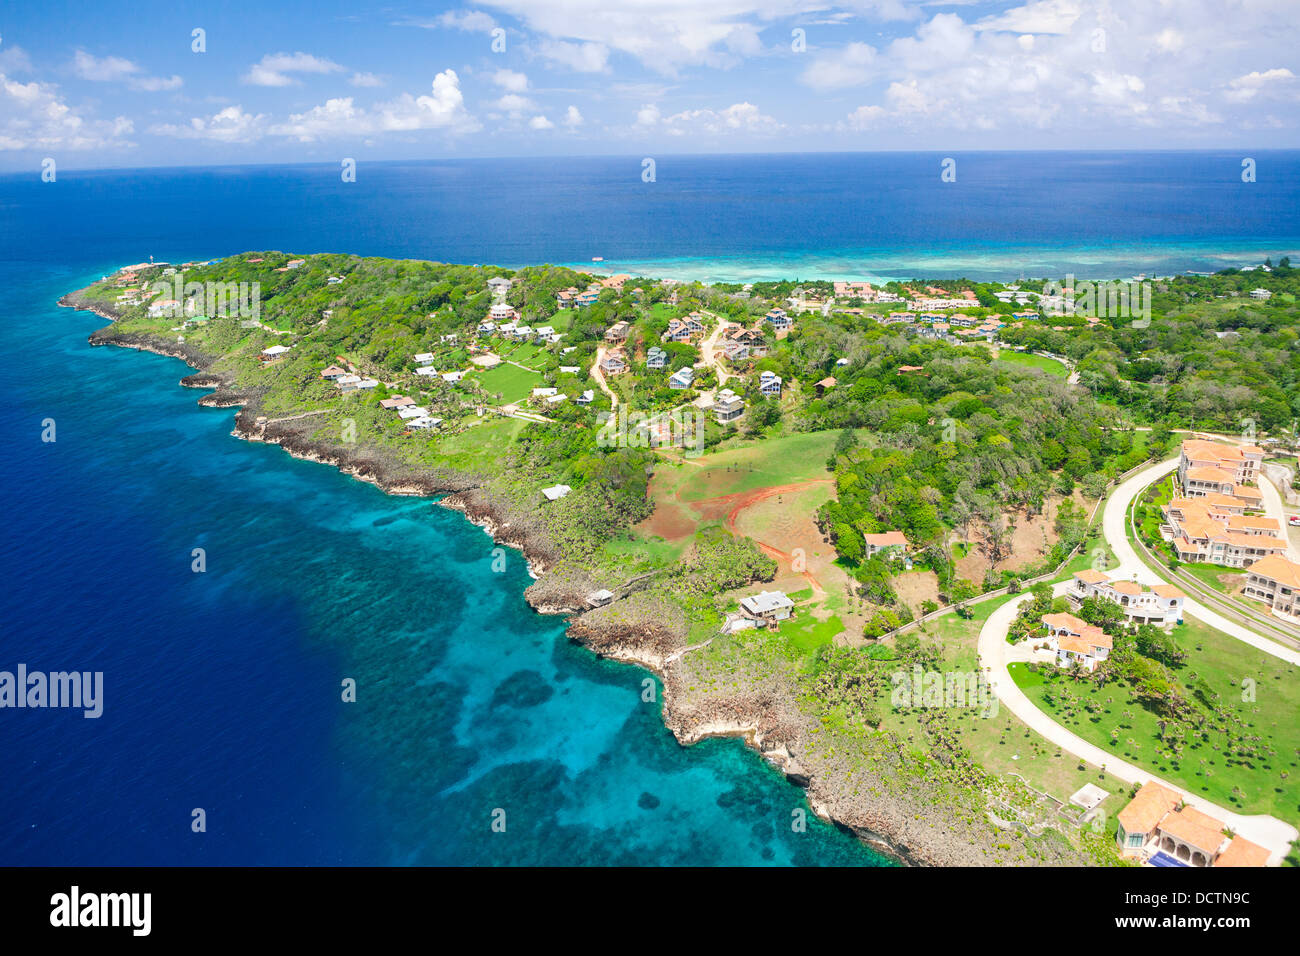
{"x": 223, "y": 688}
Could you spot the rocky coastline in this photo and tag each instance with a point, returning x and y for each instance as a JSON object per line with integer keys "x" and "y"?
{"x": 632, "y": 630}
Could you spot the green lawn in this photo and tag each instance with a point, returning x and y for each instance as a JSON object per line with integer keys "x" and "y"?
{"x": 805, "y": 633}
{"x": 1210, "y": 575}
{"x": 510, "y": 381}
{"x": 1210, "y": 762}
{"x": 1048, "y": 365}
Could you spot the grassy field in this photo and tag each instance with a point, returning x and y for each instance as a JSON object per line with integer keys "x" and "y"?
{"x": 1111, "y": 717}
{"x": 511, "y": 382}
{"x": 998, "y": 740}
{"x": 776, "y": 461}
{"x": 1048, "y": 365}
{"x": 1221, "y": 579}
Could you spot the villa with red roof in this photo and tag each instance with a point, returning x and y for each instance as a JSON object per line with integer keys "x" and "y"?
{"x": 1162, "y": 604}
{"x": 1157, "y": 823}
{"x": 1275, "y": 580}
{"x": 889, "y": 543}
{"x": 1076, "y": 641}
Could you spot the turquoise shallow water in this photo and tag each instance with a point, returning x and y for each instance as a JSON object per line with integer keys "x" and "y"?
{"x": 222, "y": 689}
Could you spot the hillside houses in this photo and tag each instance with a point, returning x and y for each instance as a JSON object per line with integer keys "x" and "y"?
{"x": 769, "y": 383}
{"x": 682, "y": 378}
{"x": 614, "y": 363}
{"x": 618, "y": 332}
{"x": 656, "y": 359}
{"x": 740, "y": 344}
{"x": 727, "y": 406}
{"x": 685, "y": 329}
{"x": 779, "y": 319}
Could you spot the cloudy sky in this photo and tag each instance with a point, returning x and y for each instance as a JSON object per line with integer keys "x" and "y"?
{"x": 145, "y": 84}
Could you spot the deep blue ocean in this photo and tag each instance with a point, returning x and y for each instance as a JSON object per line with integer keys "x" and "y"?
{"x": 222, "y": 688}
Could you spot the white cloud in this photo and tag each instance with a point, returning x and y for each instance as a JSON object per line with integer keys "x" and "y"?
{"x": 510, "y": 81}
{"x": 274, "y": 68}
{"x": 116, "y": 69}
{"x": 514, "y": 105}
{"x": 851, "y": 65}
{"x": 578, "y": 57}
{"x": 471, "y": 21}
{"x": 737, "y": 118}
{"x": 365, "y": 80}
{"x": 540, "y": 122}
{"x": 34, "y": 116}
{"x": 1042, "y": 16}
{"x": 1246, "y": 87}
{"x": 865, "y": 117}
{"x": 442, "y": 108}
{"x": 230, "y": 125}
{"x": 572, "y": 118}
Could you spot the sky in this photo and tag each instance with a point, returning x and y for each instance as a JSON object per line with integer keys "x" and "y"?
{"x": 151, "y": 84}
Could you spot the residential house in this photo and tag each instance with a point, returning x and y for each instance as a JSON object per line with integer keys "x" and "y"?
{"x": 727, "y": 406}
{"x": 769, "y": 383}
{"x": 424, "y": 358}
{"x": 1077, "y": 641}
{"x": 397, "y": 401}
{"x": 587, "y": 397}
{"x": 778, "y": 319}
{"x": 502, "y": 312}
{"x": 556, "y": 492}
{"x": 273, "y": 353}
{"x": 656, "y": 358}
{"x": 333, "y": 373}
{"x": 1261, "y": 294}
{"x": 1162, "y": 604}
{"x": 766, "y": 608}
{"x": 1206, "y": 466}
{"x": 823, "y": 385}
{"x": 614, "y": 363}
{"x": 889, "y": 544}
{"x": 1157, "y": 826}
{"x": 682, "y": 378}
{"x": 412, "y": 411}
{"x": 1205, "y": 533}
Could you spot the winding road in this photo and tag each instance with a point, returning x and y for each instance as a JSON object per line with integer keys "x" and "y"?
{"x": 995, "y": 654}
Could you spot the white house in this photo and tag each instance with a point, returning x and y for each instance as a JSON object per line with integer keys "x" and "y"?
{"x": 556, "y": 492}
{"x": 766, "y": 607}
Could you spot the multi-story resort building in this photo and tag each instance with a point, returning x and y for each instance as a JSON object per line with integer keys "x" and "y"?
{"x": 1162, "y": 604}
{"x": 1208, "y": 520}
{"x": 1275, "y": 580}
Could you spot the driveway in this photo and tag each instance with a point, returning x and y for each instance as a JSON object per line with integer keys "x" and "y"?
{"x": 995, "y": 654}
{"x": 1114, "y": 526}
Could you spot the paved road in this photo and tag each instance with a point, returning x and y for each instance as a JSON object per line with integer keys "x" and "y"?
{"x": 1274, "y": 508}
{"x": 1114, "y": 524}
{"x": 994, "y": 651}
